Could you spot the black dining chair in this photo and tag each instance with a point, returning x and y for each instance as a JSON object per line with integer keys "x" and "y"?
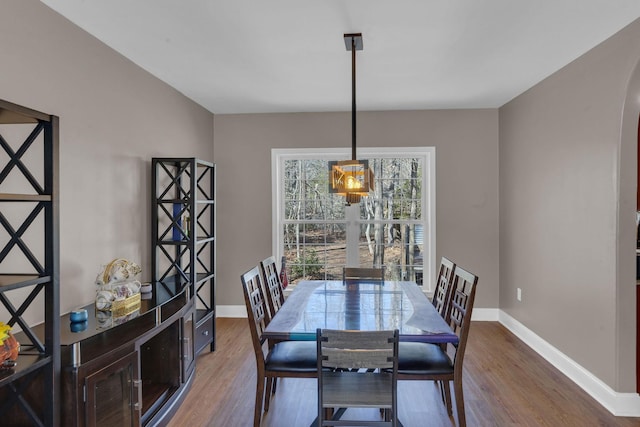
{"x": 358, "y": 369}
{"x": 286, "y": 359}
{"x": 432, "y": 362}
{"x": 273, "y": 287}
{"x": 363, "y": 273}
{"x": 442, "y": 294}
{"x": 274, "y": 294}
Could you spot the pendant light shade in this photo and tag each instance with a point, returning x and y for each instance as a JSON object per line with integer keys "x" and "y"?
{"x": 351, "y": 178}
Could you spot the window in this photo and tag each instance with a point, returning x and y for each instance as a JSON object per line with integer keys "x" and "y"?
{"x": 393, "y": 227}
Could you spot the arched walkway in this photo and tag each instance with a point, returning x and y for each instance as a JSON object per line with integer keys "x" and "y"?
{"x": 626, "y": 295}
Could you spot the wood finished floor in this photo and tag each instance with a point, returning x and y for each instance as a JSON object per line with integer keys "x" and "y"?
{"x": 505, "y": 384}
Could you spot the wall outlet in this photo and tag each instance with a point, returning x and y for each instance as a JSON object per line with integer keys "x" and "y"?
{"x": 519, "y": 294}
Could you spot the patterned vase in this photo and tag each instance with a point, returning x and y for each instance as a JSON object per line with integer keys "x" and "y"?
{"x": 9, "y": 349}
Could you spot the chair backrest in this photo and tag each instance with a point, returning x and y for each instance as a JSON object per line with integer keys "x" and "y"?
{"x": 461, "y": 306}
{"x": 342, "y": 355}
{"x": 350, "y": 349}
{"x": 256, "y": 309}
{"x": 363, "y": 273}
{"x": 273, "y": 287}
{"x": 442, "y": 293}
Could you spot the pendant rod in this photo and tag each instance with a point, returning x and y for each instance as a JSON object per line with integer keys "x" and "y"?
{"x": 353, "y": 98}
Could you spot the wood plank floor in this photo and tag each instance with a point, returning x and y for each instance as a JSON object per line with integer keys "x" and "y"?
{"x": 506, "y": 384}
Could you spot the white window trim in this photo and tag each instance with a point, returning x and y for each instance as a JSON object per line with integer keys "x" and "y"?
{"x": 280, "y": 155}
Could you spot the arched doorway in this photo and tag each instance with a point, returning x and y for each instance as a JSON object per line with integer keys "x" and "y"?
{"x": 628, "y": 307}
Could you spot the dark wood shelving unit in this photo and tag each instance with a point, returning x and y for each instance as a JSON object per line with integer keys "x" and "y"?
{"x": 29, "y": 392}
{"x": 184, "y": 236}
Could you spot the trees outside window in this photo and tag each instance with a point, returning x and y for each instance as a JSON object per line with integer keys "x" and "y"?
{"x": 393, "y": 227}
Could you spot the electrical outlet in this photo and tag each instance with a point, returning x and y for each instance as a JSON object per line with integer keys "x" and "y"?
{"x": 519, "y": 294}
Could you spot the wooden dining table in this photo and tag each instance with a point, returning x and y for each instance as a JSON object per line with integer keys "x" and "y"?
{"x": 366, "y": 305}
{"x": 359, "y": 305}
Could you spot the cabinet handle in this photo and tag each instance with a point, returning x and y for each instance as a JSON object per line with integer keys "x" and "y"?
{"x": 186, "y": 354}
{"x": 137, "y": 384}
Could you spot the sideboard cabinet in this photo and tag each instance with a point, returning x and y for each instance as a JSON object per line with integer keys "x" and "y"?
{"x": 128, "y": 371}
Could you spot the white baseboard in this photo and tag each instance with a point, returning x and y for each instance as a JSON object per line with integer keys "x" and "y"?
{"x": 231, "y": 311}
{"x": 485, "y": 315}
{"x": 619, "y": 404}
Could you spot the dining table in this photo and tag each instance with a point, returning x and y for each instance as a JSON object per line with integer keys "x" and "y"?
{"x": 358, "y": 304}
{"x": 367, "y": 305}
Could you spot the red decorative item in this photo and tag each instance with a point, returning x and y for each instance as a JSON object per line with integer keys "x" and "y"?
{"x": 9, "y": 349}
{"x": 283, "y": 273}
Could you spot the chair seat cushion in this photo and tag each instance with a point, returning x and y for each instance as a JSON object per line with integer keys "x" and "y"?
{"x": 419, "y": 358}
{"x": 293, "y": 356}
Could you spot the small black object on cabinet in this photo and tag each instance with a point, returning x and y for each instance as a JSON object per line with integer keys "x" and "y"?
{"x": 30, "y": 264}
{"x": 184, "y": 237}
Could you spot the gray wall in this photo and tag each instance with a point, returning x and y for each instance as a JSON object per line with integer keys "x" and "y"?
{"x": 567, "y": 209}
{"x": 114, "y": 117}
{"x": 466, "y": 144}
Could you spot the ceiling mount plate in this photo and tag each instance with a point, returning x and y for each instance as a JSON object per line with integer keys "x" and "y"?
{"x": 357, "y": 37}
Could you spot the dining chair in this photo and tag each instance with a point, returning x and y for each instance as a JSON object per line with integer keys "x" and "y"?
{"x": 273, "y": 287}
{"x": 358, "y": 369}
{"x": 432, "y": 362}
{"x": 296, "y": 359}
{"x": 360, "y": 273}
{"x": 442, "y": 293}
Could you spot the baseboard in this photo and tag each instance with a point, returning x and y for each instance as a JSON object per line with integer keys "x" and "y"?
{"x": 485, "y": 315}
{"x": 231, "y": 311}
{"x": 619, "y": 404}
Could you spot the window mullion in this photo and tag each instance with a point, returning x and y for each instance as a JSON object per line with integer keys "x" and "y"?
{"x": 352, "y": 214}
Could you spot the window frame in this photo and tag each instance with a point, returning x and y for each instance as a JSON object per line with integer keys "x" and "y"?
{"x": 428, "y": 221}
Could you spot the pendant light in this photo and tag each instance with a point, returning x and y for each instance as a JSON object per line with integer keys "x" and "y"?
{"x": 351, "y": 178}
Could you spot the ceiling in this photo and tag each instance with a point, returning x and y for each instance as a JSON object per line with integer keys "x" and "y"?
{"x": 258, "y": 56}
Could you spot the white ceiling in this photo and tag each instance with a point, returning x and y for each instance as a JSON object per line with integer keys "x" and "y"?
{"x": 255, "y": 56}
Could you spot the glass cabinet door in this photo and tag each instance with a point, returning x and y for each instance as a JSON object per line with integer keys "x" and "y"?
{"x": 188, "y": 344}
{"x": 112, "y": 394}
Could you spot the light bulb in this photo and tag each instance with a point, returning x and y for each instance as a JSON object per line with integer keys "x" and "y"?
{"x": 353, "y": 183}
